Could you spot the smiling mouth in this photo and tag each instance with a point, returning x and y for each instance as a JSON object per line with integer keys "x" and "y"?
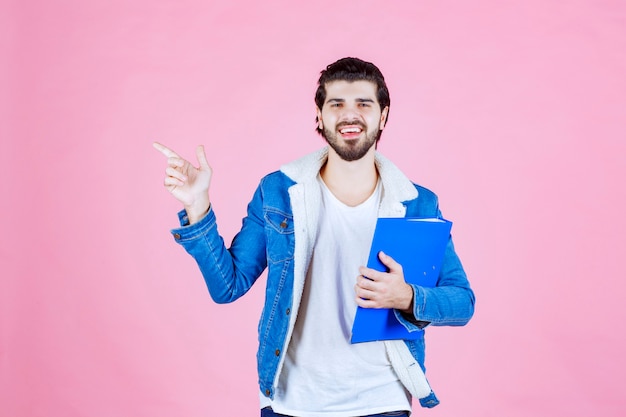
{"x": 349, "y": 130}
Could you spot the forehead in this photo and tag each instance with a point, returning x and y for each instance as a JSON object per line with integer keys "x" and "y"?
{"x": 347, "y": 90}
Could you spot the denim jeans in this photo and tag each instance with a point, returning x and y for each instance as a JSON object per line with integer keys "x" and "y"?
{"x": 268, "y": 412}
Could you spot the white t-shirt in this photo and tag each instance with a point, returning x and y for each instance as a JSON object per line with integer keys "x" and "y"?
{"x": 323, "y": 374}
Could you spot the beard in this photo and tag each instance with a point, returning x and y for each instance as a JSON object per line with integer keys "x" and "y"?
{"x": 352, "y": 150}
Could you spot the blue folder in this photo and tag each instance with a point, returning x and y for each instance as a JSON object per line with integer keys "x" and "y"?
{"x": 419, "y": 245}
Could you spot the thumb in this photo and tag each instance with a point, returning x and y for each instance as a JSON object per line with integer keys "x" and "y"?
{"x": 201, "y": 155}
{"x": 389, "y": 262}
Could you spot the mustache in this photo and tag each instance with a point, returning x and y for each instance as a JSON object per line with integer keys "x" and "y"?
{"x": 351, "y": 123}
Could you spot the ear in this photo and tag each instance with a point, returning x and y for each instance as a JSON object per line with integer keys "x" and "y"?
{"x": 320, "y": 124}
{"x": 383, "y": 117}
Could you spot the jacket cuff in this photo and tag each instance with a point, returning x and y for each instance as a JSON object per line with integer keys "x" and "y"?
{"x": 412, "y": 322}
{"x": 193, "y": 231}
{"x": 430, "y": 401}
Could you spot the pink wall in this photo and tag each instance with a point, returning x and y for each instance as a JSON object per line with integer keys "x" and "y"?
{"x": 514, "y": 112}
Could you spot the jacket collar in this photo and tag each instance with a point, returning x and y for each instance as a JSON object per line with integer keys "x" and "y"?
{"x": 397, "y": 187}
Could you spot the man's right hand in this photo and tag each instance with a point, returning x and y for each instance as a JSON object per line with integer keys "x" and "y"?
{"x": 188, "y": 184}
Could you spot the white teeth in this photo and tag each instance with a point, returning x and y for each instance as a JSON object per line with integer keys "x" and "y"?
{"x": 351, "y": 130}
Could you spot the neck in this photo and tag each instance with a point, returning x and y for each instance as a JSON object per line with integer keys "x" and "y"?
{"x": 351, "y": 182}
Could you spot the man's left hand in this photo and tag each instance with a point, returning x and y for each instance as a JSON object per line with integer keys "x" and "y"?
{"x": 375, "y": 289}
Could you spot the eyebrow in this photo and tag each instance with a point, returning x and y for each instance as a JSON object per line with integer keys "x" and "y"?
{"x": 341, "y": 100}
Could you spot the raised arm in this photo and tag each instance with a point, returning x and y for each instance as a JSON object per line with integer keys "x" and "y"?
{"x": 188, "y": 184}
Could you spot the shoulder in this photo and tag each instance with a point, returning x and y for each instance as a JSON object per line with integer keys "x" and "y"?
{"x": 424, "y": 193}
{"x": 425, "y": 205}
{"x": 276, "y": 180}
{"x": 273, "y": 191}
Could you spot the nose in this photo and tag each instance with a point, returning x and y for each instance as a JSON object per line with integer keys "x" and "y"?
{"x": 350, "y": 112}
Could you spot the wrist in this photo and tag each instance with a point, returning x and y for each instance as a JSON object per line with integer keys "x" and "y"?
{"x": 197, "y": 210}
{"x": 408, "y": 300}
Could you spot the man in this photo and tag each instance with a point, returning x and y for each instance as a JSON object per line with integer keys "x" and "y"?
{"x": 311, "y": 224}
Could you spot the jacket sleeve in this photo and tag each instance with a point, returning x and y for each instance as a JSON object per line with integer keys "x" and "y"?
{"x": 451, "y": 301}
{"x": 228, "y": 272}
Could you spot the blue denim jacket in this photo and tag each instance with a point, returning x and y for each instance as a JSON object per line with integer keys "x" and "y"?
{"x": 276, "y": 235}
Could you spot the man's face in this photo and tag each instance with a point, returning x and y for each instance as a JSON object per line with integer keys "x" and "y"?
{"x": 351, "y": 119}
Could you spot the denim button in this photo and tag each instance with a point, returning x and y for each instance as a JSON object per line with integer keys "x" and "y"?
{"x": 288, "y": 311}
{"x": 176, "y": 236}
{"x": 277, "y": 352}
{"x": 267, "y": 392}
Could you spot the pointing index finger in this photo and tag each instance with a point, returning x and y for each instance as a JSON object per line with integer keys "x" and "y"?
{"x": 165, "y": 150}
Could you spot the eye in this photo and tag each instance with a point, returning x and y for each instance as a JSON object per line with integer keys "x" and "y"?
{"x": 335, "y": 105}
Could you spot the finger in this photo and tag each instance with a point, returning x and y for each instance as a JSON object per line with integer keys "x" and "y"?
{"x": 165, "y": 150}
{"x": 176, "y": 162}
{"x": 363, "y": 303}
{"x": 371, "y": 274}
{"x": 366, "y": 303}
{"x": 171, "y": 181}
{"x": 174, "y": 173}
{"x": 201, "y": 155}
{"x": 364, "y": 293}
{"x": 389, "y": 262}
{"x": 362, "y": 282}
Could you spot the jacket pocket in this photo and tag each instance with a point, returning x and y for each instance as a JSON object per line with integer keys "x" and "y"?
{"x": 279, "y": 233}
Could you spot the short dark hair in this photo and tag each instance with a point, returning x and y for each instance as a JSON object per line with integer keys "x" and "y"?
{"x": 352, "y": 69}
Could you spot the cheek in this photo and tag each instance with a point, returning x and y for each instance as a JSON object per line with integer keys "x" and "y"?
{"x": 327, "y": 121}
{"x": 375, "y": 120}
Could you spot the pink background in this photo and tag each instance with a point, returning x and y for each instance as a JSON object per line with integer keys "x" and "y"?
{"x": 513, "y": 112}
